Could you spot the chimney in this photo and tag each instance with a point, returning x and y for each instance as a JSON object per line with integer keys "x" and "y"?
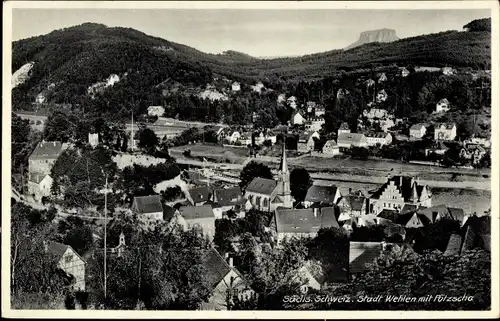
{"x": 230, "y": 262}
{"x": 315, "y": 212}
{"x": 226, "y": 256}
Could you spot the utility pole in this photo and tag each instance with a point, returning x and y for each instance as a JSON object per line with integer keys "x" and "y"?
{"x": 132, "y": 131}
{"x": 105, "y": 232}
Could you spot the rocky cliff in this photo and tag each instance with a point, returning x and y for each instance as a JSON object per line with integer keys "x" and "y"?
{"x": 380, "y": 35}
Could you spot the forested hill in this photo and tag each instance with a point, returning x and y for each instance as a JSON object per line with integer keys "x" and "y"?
{"x": 70, "y": 60}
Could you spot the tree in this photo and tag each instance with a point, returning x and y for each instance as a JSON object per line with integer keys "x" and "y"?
{"x": 300, "y": 181}
{"x": 61, "y": 126}
{"x": 148, "y": 140}
{"x": 373, "y": 233}
{"x": 80, "y": 239}
{"x": 253, "y": 170}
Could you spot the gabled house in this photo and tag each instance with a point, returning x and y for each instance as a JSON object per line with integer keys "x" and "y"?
{"x": 199, "y": 195}
{"x": 225, "y": 282}
{"x": 233, "y": 136}
{"x": 376, "y": 114}
{"x": 292, "y": 102}
{"x": 69, "y": 261}
{"x": 442, "y": 106}
{"x": 93, "y": 139}
{"x": 235, "y": 86}
{"x": 411, "y": 220}
{"x": 298, "y": 119}
{"x": 344, "y": 129}
{"x": 438, "y": 148}
{"x": 316, "y": 275}
{"x": 447, "y": 71}
{"x": 299, "y": 223}
{"x": 331, "y": 148}
{"x": 435, "y": 213}
{"x": 476, "y": 233}
{"x": 268, "y": 194}
{"x": 306, "y": 142}
{"x": 319, "y": 110}
{"x": 352, "y": 206}
{"x": 156, "y": 111}
{"x": 346, "y": 141}
{"x": 397, "y": 192}
{"x": 417, "y": 131}
{"x": 321, "y": 196}
{"x": 44, "y": 156}
{"x": 39, "y": 185}
{"x": 310, "y": 106}
{"x": 258, "y": 87}
{"x": 148, "y": 207}
{"x": 381, "y": 138}
{"x": 281, "y": 98}
{"x": 201, "y": 216}
{"x": 445, "y": 131}
{"x": 382, "y": 77}
{"x": 226, "y": 199}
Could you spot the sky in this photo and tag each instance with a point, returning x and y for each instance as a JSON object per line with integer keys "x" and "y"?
{"x": 258, "y": 32}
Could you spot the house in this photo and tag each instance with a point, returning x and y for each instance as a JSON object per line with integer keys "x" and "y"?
{"x": 199, "y": 195}
{"x": 315, "y": 275}
{"x": 41, "y": 98}
{"x": 39, "y": 185}
{"x": 382, "y": 77}
{"x": 201, "y": 216}
{"x": 347, "y": 141}
{"x": 298, "y": 119}
{"x": 417, "y": 131}
{"x": 315, "y": 123}
{"x": 381, "y": 96}
{"x": 442, "y": 106}
{"x": 156, "y": 111}
{"x": 93, "y": 139}
{"x": 268, "y": 194}
{"x": 233, "y": 136}
{"x": 476, "y": 233}
{"x": 386, "y": 124}
{"x": 311, "y": 105}
{"x": 306, "y": 142}
{"x": 292, "y": 102}
{"x": 226, "y": 199}
{"x": 438, "y": 148}
{"x": 376, "y": 113}
{"x": 69, "y": 261}
{"x": 363, "y": 254}
{"x": 245, "y": 139}
{"x": 411, "y": 220}
{"x": 281, "y": 98}
{"x": 148, "y": 207}
{"x": 403, "y": 72}
{"x": 321, "y": 196}
{"x": 258, "y": 87}
{"x": 448, "y": 71}
{"x": 480, "y": 141}
{"x": 352, "y": 206}
{"x": 344, "y": 129}
{"x": 435, "y": 213}
{"x": 44, "y": 156}
{"x": 225, "y": 282}
{"x": 319, "y": 110}
{"x": 398, "y": 191}
{"x": 235, "y": 86}
{"x": 299, "y": 223}
{"x": 473, "y": 152}
{"x": 331, "y": 148}
{"x": 380, "y": 138}
{"x": 445, "y": 131}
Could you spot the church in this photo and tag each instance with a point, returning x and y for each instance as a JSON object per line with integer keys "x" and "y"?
{"x": 269, "y": 194}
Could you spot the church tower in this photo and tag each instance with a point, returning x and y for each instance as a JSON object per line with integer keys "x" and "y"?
{"x": 284, "y": 182}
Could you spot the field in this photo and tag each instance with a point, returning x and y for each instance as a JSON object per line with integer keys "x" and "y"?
{"x": 212, "y": 150}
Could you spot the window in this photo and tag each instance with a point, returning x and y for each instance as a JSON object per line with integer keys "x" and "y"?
{"x": 264, "y": 203}
{"x": 68, "y": 258}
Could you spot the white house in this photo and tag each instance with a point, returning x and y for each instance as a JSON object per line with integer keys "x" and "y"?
{"x": 417, "y": 131}
{"x": 292, "y": 102}
{"x": 403, "y": 72}
{"x": 235, "y": 86}
{"x": 39, "y": 185}
{"x": 233, "y": 136}
{"x": 445, "y": 131}
{"x": 258, "y": 87}
{"x": 281, "y": 98}
{"x": 93, "y": 139}
{"x": 381, "y": 96}
{"x": 343, "y": 129}
{"x": 315, "y": 123}
{"x": 448, "y": 71}
{"x": 69, "y": 261}
{"x": 381, "y": 138}
{"x": 148, "y": 207}
{"x": 331, "y": 148}
{"x": 442, "y": 106}
{"x": 298, "y": 119}
{"x": 319, "y": 110}
{"x": 345, "y": 140}
{"x": 156, "y": 111}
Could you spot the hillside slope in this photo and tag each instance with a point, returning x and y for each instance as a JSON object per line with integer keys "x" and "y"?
{"x": 68, "y": 61}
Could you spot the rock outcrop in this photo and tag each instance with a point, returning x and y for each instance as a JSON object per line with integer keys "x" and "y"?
{"x": 380, "y": 35}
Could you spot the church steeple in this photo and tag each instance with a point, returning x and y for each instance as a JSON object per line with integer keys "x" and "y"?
{"x": 284, "y": 182}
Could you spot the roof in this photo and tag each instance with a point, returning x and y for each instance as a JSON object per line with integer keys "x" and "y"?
{"x": 168, "y": 212}
{"x": 228, "y": 196}
{"x": 443, "y": 101}
{"x": 330, "y": 143}
{"x": 445, "y": 125}
{"x": 37, "y": 177}
{"x": 200, "y": 194}
{"x": 453, "y": 247}
{"x": 215, "y": 267}
{"x": 417, "y": 127}
{"x": 304, "y": 220}
{"x": 405, "y": 186}
{"x": 355, "y": 201}
{"x": 457, "y": 214}
{"x": 321, "y": 194}
{"x": 388, "y": 214}
{"x": 344, "y": 126}
{"x": 349, "y": 138}
{"x": 261, "y": 185}
{"x": 439, "y": 145}
{"x": 47, "y": 150}
{"x": 409, "y": 208}
{"x": 196, "y": 212}
{"x": 361, "y": 254}
{"x": 148, "y": 204}
{"x": 478, "y": 233}
{"x": 58, "y": 249}
{"x": 377, "y": 134}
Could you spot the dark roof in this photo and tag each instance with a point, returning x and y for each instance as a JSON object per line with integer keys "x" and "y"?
{"x": 168, "y": 212}
{"x": 388, "y": 214}
{"x": 439, "y": 145}
{"x": 304, "y": 220}
{"x": 47, "y": 150}
{"x": 228, "y": 196}
{"x": 344, "y": 126}
{"x": 57, "y": 249}
{"x": 445, "y": 125}
{"x": 148, "y": 204}
{"x": 215, "y": 267}
{"x": 196, "y": 212}
{"x": 457, "y": 214}
{"x": 432, "y": 212}
{"x": 200, "y": 194}
{"x": 361, "y": 254}
{"x": 261, "y": 185}
{"x": 349, "y": 138}
{"x": 36, "y": 177}
{"x": 409, "y": 208}
{"x": 478, "y": 233}
{"x": 404, "y": 184}
{"x": 453, "y": 247}
{"x": 321, "y": 194}
{"x": 356, "y": 202}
